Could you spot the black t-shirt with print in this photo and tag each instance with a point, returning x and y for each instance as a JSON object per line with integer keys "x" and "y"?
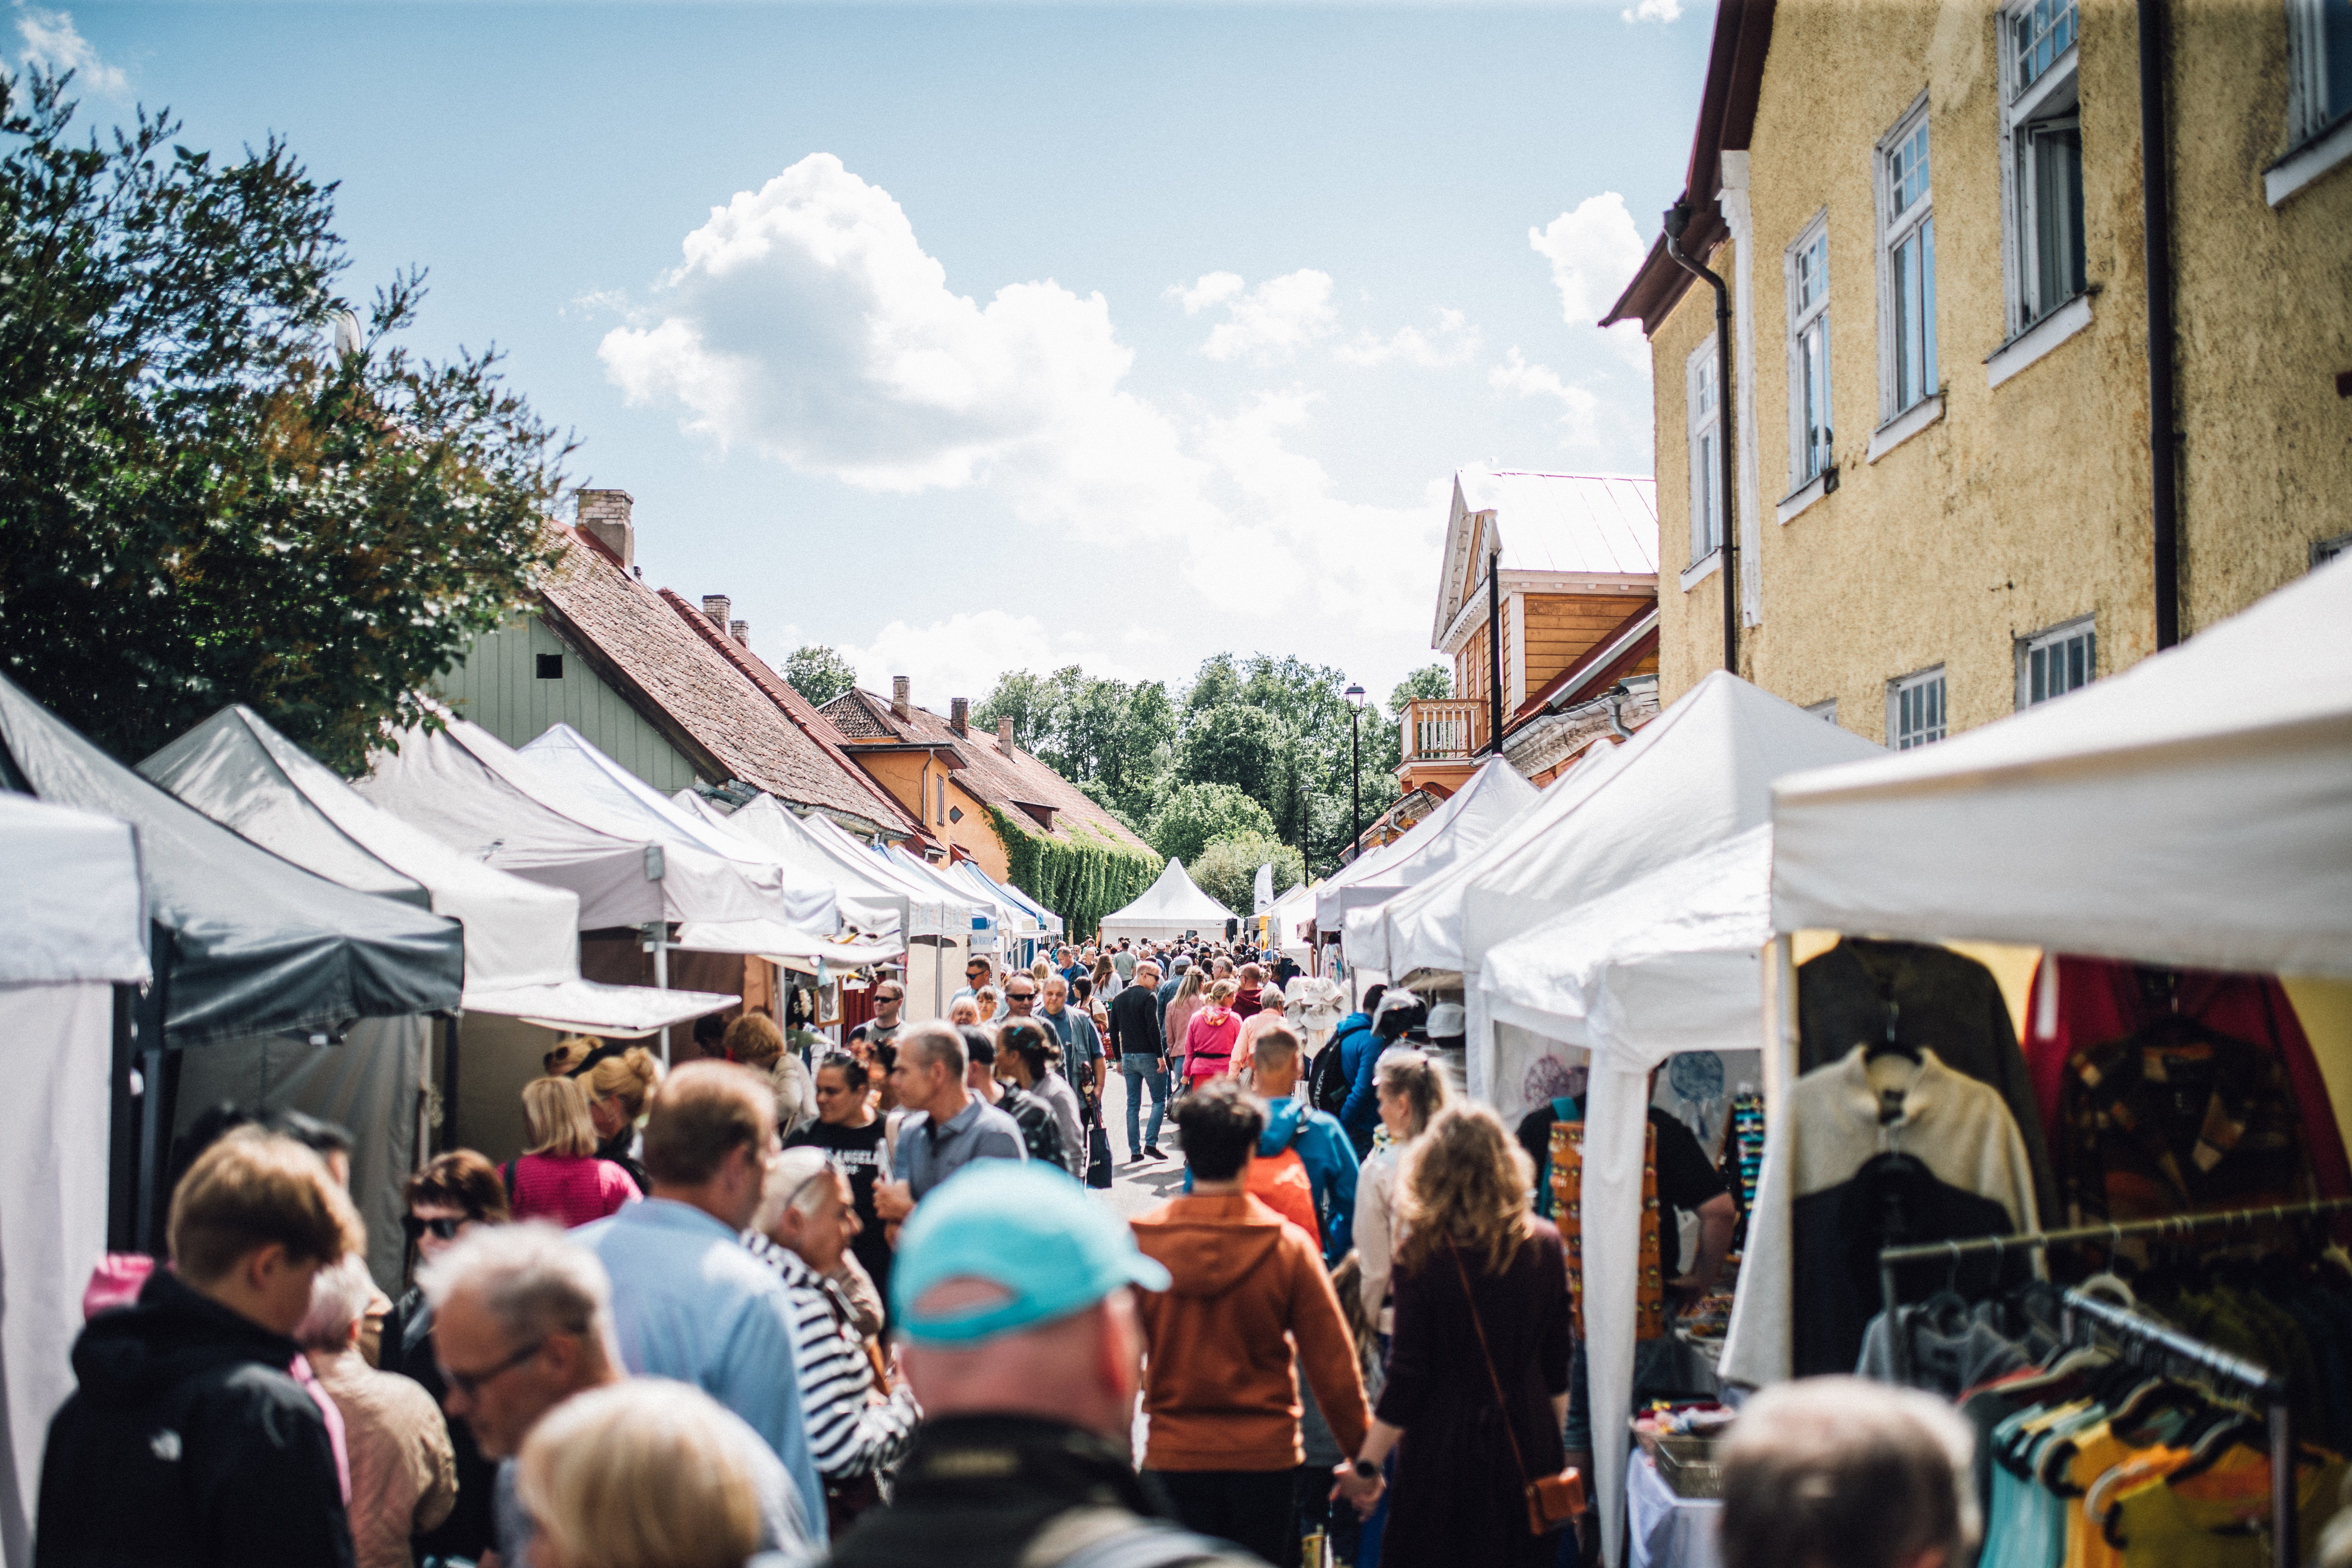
{"x": 863, "y": 1155}
{"x": 1685, "y": 1179}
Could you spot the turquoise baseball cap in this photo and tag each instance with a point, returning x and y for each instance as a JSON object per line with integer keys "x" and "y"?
{"x": 1025, "y": 1228}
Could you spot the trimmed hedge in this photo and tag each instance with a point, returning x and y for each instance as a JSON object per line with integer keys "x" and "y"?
{"x": 1081, "y": 881}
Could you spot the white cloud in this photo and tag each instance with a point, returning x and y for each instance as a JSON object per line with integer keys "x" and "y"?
{"x": 963, "y": 655}
{"x": 1594, "y": 252}
{"x": 1454, "y": 341}
{"x": 1653, "y": 11}
{"x": 53, "y": 43}
{"x": 1272, "y": 321}
{"x": 1579, "y": 406}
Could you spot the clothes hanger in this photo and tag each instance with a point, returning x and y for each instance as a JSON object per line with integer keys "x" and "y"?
{"x": 1889, "y": 1046}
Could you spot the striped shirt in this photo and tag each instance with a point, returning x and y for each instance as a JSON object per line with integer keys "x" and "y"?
{"x": 849, "y": 1434}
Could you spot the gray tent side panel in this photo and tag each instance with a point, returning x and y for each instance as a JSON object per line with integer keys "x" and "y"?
{"x": 256, "y": 945}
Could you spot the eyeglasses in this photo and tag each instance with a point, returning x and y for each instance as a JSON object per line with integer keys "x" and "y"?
{"x": 445, "y": 1228}
{"x": 1020, "y": 995}
{"x": 469, "y": 1384}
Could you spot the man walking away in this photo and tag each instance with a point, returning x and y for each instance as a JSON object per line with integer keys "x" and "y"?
{"x": 947, "y": 1126}
{"x": 188, "y": 1442}
{"x": 688, "y": 1301}
{"x": 1014, "y": 1293}
{"x": 1142, "y": 1055}
{"x": 1218, "y": 1384}
{"x": 1397, "y": 1013}
{"x": 1300, "y": 1139}
{"x": 522, "y": 1320}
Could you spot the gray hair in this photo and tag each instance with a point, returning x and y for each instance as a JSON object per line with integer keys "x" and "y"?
{"x": 532, "y": 1277}
{"x": 1269, "y": 997}
{"x": 339, "y": 1294}
{"x": 1842, "y": 1473}
{"x": 793, "y": 1183}
{"x": 934, "y": 1043}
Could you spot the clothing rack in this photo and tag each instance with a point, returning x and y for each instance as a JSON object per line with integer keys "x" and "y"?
{"x": 2142, "y": 1335}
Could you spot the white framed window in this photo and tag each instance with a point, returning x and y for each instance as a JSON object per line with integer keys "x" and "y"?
{"x": 2323, "y": 551}
{"x": 1703, "y": 418}
{"x": 1825, "y": 711}
{"x": 1915, "y": 710}
{"x": 2054, "y": 662}
{"x": 2041, "y": 162}
{"x": 1906, "y": 266}
{"x": 2319, "y": 65}
{"x": 1807, "y": 263}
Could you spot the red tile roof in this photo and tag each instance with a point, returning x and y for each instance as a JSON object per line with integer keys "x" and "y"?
{"x": 1019, "y": 784}
{"x": 702, "y": 700}
{"x": 797, "y": 707}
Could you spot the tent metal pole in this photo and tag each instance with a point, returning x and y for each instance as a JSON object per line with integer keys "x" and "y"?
{"x": 658, "y": 943}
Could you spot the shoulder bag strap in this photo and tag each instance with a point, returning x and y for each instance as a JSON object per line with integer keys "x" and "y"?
{"x": 1488, "y": 1357}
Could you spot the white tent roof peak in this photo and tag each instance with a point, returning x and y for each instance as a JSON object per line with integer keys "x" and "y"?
{"x": 1462, "y": 823}
{"x": 1174, "y": 903}
{"x": 2177, "y": 812}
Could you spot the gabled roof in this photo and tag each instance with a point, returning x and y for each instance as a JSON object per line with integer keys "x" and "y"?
{"x": 1727, "y": 121}
{"x": 1605, "y": 524}
{"x": 700, "y": 700}
{"x": 1006, "y": 777}
{"x": 895, "y": 818}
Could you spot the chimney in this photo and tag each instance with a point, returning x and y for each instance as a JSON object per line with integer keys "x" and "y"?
{"x": 605, "y": 515}
{"x": 741, "y": 632}
{"x": 902, "y": 696}
{"x": 959, "y": 714}
{"x": 716, "y": 606}
{"x": 1004, "y": 736}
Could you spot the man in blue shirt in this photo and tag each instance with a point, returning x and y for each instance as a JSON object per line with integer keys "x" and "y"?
{"x": 689, "y": 1301}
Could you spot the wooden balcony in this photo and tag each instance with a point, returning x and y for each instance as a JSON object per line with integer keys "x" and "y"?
{"x": 1443, "y": 730}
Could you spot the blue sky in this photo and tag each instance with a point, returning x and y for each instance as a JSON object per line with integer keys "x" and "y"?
{"x": 981, "y": 337}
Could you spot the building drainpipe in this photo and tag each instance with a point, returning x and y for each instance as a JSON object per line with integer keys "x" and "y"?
{"x": 1617, "y": 695}
{"x": 2155, "y": 166}
{"x": 1678, "y": 218}
{"x": 1494, "y": 649}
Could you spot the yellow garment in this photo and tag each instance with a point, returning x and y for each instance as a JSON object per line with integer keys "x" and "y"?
{"x": 2220, "y": 1518}
{"x": 1567, "y": 1209}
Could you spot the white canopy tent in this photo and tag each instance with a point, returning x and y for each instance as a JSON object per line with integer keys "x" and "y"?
{"x": 522, "y": 944}
{"x": 987, "y": 919}
{"x": 1290, "y": 920}
{"x": 1462, "y": 823}
{"x": 1171, "y": 906}
{"x": 484, "y": 799}
{"x": 1699, "y": 773}
{"x": 800, "y": 901}
{"x": 1048, "y": 923}
{"x": 73, "y": 926}
{"x": 930, "y": 958}
{"x": 1670, "y": 961}
{"x": 865, "y": 900}
{"x": 2195, "y": 809}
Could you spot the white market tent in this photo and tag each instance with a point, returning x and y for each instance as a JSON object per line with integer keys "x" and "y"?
{"x": 484, "y": 799}
{"x": 1290, "y": 920}
{"x": 522, "y": 944}
{"x": 947, "y": 916}
{"x": 865, "y": 900}
{"x": 987, "y": 918}
{"x": 1006, "y": 893}
{"x": 2194, "y": 810}
{"x": 73, "y": 926}
{"x": 1168, "y": 909}
{"x": 1464, "y": 822}
{"x": 1670, "y": 961}
{"x": 799, "y": 901}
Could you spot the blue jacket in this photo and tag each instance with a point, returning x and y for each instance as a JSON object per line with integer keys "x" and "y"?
{"x": 1360, "y": 1053}
{"x": 1331, "y": 1161}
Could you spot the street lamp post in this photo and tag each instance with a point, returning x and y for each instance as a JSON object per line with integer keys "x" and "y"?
{"x": 1355, "y": 695}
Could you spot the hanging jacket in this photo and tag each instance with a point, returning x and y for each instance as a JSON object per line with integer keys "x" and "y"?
{"x": 187, "y": 1443}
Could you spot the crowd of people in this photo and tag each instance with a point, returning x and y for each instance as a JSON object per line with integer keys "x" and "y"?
{"x": 859, "y": 1307}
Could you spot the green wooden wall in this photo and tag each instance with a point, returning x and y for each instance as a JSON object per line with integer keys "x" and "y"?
{"x": 499, "y": 687}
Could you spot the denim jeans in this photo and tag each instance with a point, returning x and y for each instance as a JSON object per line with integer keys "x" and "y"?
{"x": 1139, "y": 1070}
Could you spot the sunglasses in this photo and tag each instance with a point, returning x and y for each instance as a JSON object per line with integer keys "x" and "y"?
{"x": 447, "y": 1230}
{"x": 1020, "y": 995}
{"x": 470, "y": 1383}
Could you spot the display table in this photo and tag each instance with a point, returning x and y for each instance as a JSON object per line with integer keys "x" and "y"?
{"x": 1667, "y": 1531}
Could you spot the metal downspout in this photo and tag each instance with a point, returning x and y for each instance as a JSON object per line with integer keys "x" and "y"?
{"x": 1494, "y": 649}
{"x": 1677, "y": 219}
{"x": 2155, "y": 168}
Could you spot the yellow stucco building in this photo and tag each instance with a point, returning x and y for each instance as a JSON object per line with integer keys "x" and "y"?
{"x": 1932, "y": 225}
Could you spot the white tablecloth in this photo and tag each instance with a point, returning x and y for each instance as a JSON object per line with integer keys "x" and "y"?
{"x": 1667, "y": 1530}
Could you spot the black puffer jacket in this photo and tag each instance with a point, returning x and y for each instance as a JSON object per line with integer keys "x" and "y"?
{"x": 187, "y": 1443}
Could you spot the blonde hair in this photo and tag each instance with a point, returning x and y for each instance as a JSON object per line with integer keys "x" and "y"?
{"x": 1405, "y": 1072}
{"x": 640, "y": 1474}
{"x": 1222, "y": 991}
{"x": 252, "y": 1189}
{"x": 1464, "y": 1182}
{"x": 1040, "y": 971}
{"x": 1192, "y": 985}
{"x": 633, "y": 1077}
{"x": 568, "y": 1054}
{"x": 963, "y": 1010}
{"x": 754, "y": 1041}
{"x": 555, "y": 1117}
{"x": 988, "y": 999}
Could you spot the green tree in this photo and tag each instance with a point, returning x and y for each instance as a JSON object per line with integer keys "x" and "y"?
{"x": 818, "y": 673}
{"x": 1227, "y": 870}
{"x": 1430, "y": 682}
{"x": 203, "y": 499}
{"x": 1197, "y": 815}
{"x": 1234, "y": 743}
{"x": 1028, "y": 700}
